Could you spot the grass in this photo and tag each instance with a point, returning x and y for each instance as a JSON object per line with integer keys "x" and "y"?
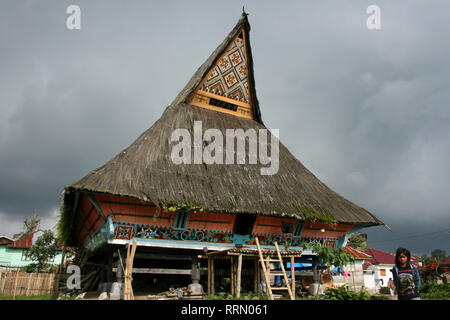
{"x": 40, "y": 297}
{"x": 332, "y": 295}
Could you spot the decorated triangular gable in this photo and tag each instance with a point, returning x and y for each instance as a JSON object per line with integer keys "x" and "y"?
{"x": 225, "y": 87}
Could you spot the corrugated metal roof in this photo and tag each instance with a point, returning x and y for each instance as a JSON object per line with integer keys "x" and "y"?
{"x": 24, "y": 242}
{"x": 381, "y": 257}
{"x": 357, "y": 254}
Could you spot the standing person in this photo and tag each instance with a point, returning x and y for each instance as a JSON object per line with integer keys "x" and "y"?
{"x": 406, "y": 276}
{"x": 391, "y": 286}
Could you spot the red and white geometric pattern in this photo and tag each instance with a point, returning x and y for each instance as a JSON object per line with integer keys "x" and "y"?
{"x": 229, "y": 75}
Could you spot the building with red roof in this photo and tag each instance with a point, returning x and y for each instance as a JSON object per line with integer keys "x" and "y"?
{"x": 381, "y": 264}
{"x": 14, "y": 253}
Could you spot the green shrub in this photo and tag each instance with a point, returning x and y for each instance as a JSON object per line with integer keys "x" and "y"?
{"x": 245, "y": 296}
{"x": 434, "y": 291}
{"x": 342, "y": 293}
{"x": 385, "y": 290}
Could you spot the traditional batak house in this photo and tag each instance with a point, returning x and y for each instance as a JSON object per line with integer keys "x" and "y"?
{"x": 178, "y": 211}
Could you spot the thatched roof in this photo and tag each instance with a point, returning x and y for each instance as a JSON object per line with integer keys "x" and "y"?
{"x": 145, "y": 169}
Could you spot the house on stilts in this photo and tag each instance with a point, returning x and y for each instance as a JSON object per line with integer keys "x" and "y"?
{"x": 179, "y": 213}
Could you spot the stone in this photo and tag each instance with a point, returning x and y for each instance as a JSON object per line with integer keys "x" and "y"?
{"x": 116, "y": 292}
{"x": 195, "y": 288}
{"x": 80, "y": 296}
{"x": 103, "y": 296}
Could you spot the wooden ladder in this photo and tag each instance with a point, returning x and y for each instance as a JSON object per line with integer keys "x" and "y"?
{"x": 267, "y": 273}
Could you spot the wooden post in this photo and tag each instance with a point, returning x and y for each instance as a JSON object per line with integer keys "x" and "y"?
{"x": 256, "y": 277}
{"x": 238, "y": 276}
{"x": 109, "y": 276}
{"x": 293, "y": 275}
{"x": 316, "y": 273}
{"x": 213, "y": 277}
{"x": 232, "y": 276}
{"x": 209, "y": 276}
{"x": 28, "y": 285}
{"x": 15, "y": 284}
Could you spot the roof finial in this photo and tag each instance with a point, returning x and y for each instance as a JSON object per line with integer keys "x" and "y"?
{"x": 243, "y": 11}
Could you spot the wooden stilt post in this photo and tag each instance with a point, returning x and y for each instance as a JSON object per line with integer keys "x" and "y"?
{"x": 232, "y": 276}
{"x": 256, "y": 277}
{"x": 316, "y": 275}
{"x": 213, "y": 279}
{"x": 209, "y": 275}
{"x": 238, "y": 276}
{"x": 293, "y": 275}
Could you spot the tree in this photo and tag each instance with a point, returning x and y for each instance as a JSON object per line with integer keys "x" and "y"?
{"x": 30, "y": 225}
{"x": 42, "y": 251}
{"x": 439, "y": 254}
{"x": 358, "y": 241}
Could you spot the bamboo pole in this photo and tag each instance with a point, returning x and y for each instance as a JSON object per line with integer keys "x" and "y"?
{"x": 293, "y": 275}
{"x": 263, "y": 264}
{"x": 284, "y": 271}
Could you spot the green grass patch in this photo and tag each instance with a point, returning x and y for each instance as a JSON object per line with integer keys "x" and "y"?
{"x": 39, "y": 297}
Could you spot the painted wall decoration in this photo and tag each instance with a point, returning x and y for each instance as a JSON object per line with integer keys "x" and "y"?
{"x": 128, "y": 231}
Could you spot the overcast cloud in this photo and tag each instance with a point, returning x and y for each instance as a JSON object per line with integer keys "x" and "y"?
{"x": 366, "y": 111}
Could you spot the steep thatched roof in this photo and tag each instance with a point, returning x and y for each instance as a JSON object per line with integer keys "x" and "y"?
{"x": 145, "y": 169}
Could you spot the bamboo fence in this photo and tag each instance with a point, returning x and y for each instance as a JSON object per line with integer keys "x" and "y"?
{"x": 19, "y": 283}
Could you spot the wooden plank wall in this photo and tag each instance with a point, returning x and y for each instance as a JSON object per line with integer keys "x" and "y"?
{"x": 269, "y": 224}
{"x": 211, "y": 221}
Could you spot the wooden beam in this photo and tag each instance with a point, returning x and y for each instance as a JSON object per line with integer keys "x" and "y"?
{"x": 157, "y": 256}
{"x": 160, "y": 271}
{"x": 92, "y": 200}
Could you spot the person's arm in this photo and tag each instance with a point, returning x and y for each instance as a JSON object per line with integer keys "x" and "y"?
{"x": 395, "y": 279}
{"x": 416, "y": 278}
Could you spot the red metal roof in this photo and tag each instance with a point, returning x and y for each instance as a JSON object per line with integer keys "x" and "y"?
{"x": 24, "y": 242}
{"x": 445, "y": 262}
{"x": 356, "y": 253}
{"x": 380, "y": 257}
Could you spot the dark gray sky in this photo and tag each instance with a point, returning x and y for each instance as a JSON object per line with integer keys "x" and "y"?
{"x": 367, "y": 111}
